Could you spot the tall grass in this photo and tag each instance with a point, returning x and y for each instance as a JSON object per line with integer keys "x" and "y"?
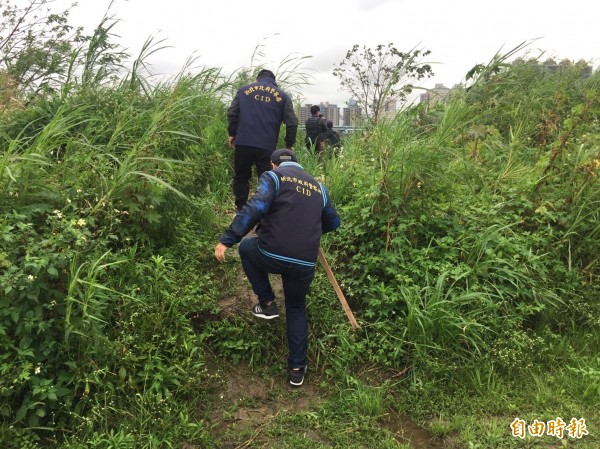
{"x": 444, "y": 231}
{"x": 100, "y": 171}
{"x": 468, "y": 248}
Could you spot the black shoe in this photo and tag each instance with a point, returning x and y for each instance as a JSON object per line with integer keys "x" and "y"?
{"x": 297, "y": 376}
{"x": 267, "y": 312}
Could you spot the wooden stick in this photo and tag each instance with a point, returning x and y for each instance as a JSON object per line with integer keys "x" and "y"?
{"x": 338, "y": 290}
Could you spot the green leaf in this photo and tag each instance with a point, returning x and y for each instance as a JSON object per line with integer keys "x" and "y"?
{"x": 52, "y": 272}
{"x": 152, "y": 217}
{"x": 62, "y": 391}
{"x": 25, "y": 342}
{"x": 21, "y": 412}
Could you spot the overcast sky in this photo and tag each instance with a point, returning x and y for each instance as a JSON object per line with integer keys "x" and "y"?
{"x": 459, "y": 33}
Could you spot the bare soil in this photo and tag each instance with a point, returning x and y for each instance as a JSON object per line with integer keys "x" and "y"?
{"x": 243, "y": 403}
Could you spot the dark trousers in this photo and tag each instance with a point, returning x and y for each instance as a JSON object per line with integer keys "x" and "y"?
{"x": 312, "y": 144}
{"x": 296, "y": 282}
{"x": 245, "y": 157}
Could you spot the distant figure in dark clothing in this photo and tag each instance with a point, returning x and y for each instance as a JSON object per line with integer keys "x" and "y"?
{"x": 254, "y": 119}
{"x": 330, "y": 139}
{"x": 315, "y": 125}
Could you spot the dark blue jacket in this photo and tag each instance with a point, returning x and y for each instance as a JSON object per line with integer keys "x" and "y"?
{"x": 257, "y": 112}
{"x": 315, "y": 125}
{"x": 293, "y": 209}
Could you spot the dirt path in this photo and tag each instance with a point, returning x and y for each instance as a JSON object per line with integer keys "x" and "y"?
{"x": 244, "y": 403}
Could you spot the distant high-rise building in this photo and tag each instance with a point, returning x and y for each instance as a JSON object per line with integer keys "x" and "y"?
{"x": 389, "y": 109}
{"x": 303, "y": 114}
{"x": 550, "y": 65}
{"x": 352, "y": 114}
{"x": 436, "y": 95}
{"x": 587, "y": 69}
{"x": 331, "y": 112}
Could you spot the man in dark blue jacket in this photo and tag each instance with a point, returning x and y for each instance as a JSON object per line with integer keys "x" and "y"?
{"x": 315, "y": 125}
{"x": 293, "y": 210}
{"x": 254, "y": 119}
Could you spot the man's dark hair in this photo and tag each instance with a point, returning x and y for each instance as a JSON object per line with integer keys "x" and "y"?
{"x": 314, "y": 109}
{"x": 264, "y": 73}
{"x": 329, "y": 124}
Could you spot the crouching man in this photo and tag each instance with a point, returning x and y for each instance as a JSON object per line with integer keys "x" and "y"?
{"x": 293, "y": 210}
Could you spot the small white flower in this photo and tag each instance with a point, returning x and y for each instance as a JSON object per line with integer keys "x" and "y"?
{"x": 81, "y": 222}
{"x": 69, "y": 200}
{"x": 30, "y": 278}
{"x": 37, "y": 370}
{"x": 79, "y": 190}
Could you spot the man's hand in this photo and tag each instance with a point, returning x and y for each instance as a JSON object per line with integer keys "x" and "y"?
{"x": 231, "y": 141}
{"x": 220, "y": 252}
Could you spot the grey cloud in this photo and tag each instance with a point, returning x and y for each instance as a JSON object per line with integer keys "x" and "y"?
{"x": 325, "y": 60}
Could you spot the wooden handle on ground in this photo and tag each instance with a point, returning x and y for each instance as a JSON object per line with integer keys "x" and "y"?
{"x": 338, "y": 290}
